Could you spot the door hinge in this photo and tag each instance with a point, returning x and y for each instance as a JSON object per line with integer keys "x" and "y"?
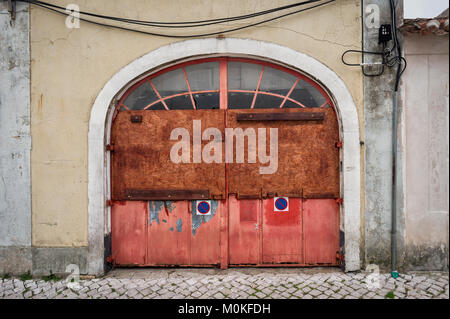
{"x": 110, "y": 147}
{"x": 109, "y": 203}
{"x": 339, "y": 258}
{"x": 339, "y": 201}
{"x": 338, "y": 144}
{"x": 110, "y": 260}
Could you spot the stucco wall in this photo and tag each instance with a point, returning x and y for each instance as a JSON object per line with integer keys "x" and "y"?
{"x": 378, "y": 105}
{"x": 15, "y": 141}
{"x": 70, "y": 66}
{"x": 425, "y": 97}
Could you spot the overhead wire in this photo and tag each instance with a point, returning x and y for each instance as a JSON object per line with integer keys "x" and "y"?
{"x": 180, "y": 24}
{"x": 57, "y": 9}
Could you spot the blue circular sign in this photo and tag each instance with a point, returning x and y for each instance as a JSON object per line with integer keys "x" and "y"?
{"x": 281, "y": 203}
{"x": 203, "y": 207}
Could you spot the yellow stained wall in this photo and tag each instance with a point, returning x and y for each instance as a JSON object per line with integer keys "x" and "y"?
{"x": 69, "y": 67}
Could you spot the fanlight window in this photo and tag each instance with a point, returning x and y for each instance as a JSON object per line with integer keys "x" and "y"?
{"x": 224, "y": 83}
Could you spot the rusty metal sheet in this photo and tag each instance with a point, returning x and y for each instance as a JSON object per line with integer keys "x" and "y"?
{"x": 282, "y": 238}
{"x": 205, "y": 235}
{"x": 169, "y": 233}
{"x": 178, "y": 194}
{"x": 321, "y": 231}
{"x": 281, "y": 116}
{"x": 244, "y": 231}
{"x": 140, "y": 159}
{"x": 128, "y": 232}
{"x": 308, "y": 160}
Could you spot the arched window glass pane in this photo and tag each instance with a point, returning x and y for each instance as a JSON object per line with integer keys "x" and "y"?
{"x": 307, "y": 95}
{"x": 264, "y": 101}
{"x": 276, "y": 81}
{"x": 172, "y": 83}
{"x": 142, "y": 96}
{"x": 209, "y": 100}
{"x": 242, "y": 76}
{"x": 204, "y": 76}
{"x": 250, "y": 84}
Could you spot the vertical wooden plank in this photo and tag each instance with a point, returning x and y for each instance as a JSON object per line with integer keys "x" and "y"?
{"x": 128, "y": 233}
{"x": 321, "y": 219}
{"x": 206, "y": 235}
{"x": 282, "y": 233}
{"x": 169, "y": 233}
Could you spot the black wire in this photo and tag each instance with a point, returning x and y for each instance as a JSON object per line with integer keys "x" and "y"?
{"x": 385, "y": 53}
{"x": 181, "y": 36}
{"x": 398, "y": 46}
{"x": 185, "y": 24}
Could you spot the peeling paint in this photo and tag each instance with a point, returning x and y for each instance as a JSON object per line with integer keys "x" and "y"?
{"x": 169, "y": 206}
{"x": 171, "y": 228}
{"x": 198, "y": 220}
{"x": 179, "y": 225}
{"x": 154, "y": 208}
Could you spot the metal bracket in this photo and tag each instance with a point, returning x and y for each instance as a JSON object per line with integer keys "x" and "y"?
{"x": 339, "y": 258}
{"x": 12, "y": 9}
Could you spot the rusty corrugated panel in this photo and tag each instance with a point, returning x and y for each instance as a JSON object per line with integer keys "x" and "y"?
{"x": 308, "y": 159}
{"x": 282, "y": 233}
{"x": 141, "y": 156}
{"x": 128, "y": 232}
{"x": 321, "y": 231}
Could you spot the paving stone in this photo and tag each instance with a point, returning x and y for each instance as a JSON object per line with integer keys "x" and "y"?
{"x": 334, "y": 285}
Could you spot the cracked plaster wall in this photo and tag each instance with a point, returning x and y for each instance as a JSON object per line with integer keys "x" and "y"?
{"x": 15, "y": 141}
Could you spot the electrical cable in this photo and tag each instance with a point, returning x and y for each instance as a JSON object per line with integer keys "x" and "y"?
{"x": 178, "y": 36}
{"x": 385, "y": 54}
{"x": 185, "y": 24}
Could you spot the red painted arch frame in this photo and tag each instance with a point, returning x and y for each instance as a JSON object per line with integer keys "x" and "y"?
{"x": 223, "y": 89}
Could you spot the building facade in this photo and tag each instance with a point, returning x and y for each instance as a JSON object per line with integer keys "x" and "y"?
{"x": 64, "y": 88}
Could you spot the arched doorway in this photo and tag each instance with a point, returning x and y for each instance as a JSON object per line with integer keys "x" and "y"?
{"x": 103, "y": 110}
{"x": 204, "y": 200}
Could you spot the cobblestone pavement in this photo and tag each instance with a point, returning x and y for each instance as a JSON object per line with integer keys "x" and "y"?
{"x": 234, "y": 283}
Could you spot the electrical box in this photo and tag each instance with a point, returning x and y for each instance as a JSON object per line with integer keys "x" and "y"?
{"x": 385, "y": 33}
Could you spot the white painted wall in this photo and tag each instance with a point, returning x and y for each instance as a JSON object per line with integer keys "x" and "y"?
{"x": 426, "y": 107}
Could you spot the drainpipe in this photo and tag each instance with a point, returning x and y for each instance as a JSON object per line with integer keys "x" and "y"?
{"x": 394, "y": 272}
